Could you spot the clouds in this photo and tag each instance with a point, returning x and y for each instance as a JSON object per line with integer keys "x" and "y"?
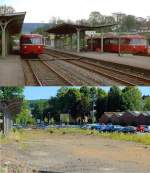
{"x": 43, "y": 10}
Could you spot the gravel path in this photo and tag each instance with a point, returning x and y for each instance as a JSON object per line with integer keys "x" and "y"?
{"x": 76, "y": 154}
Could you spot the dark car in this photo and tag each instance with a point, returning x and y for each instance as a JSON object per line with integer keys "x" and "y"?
{"x": 129, "y": 129}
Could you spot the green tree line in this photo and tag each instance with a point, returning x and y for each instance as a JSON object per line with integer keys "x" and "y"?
{"x": 80, "y": 102}
{"x": 127, "y": 23}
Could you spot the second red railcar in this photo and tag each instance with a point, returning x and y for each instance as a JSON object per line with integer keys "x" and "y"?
{"x": 135, "y": 44}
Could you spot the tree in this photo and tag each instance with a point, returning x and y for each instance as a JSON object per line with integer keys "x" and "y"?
{"x": 129, "y": 23}
{"x": 24, "y": 117}
{"x": 84, "y": 104}
{"x": 9, "y": 93}
{"x": 71, "y": 99}
{"x": 6, "y": 9}
{"x": 38, "y": 107}
{"x": 114, "y": 99}
{"x": 95, "y": 18}
{"x": 53, "y": 109}
{"x": 101, "y": 103}
{"x": 147, "y": 104}
{"x": 131, "y": 99}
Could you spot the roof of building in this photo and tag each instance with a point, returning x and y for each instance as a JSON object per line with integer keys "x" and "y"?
{"x": 67, "y": 28}
{"x": 133, "y": 113}
{"x": 17, "y": 19}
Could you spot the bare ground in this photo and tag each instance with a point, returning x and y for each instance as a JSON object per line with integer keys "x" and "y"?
{"x": 54, "y": 153}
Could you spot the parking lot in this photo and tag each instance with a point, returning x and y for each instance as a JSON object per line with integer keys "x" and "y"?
{"x": 99, "y": 127}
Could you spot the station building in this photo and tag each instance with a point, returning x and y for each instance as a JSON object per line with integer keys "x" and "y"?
{"x": 10, "y": 25}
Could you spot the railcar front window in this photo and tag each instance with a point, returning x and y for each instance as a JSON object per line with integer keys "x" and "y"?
{"x": 36, "y": 41}
{"x": 32, "y": 41}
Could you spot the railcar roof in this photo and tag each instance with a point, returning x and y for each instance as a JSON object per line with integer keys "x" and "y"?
{"x": 137, "y": 36}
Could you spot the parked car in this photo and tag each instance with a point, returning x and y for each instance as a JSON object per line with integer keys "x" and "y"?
{"x": 108, "y": 128}
{"x": 88, "y": 126}
{"x": 96, "y": 126}
{"x": 146, "y": 129}
{"x": 118, "y": 128}
{"x": 102, "y": 128}
{"x": 43, "y": 126}
{"x": 129, "y": 129}
{"x": 140, "y": 128}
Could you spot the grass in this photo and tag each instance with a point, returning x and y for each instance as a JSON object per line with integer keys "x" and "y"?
{"x": 20, "y": 136}
{"x": 143, "y": 139}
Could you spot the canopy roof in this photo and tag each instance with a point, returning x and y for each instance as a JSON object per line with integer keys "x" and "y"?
{"x": 16, "y": 21}
{"x": 66, "y": 28}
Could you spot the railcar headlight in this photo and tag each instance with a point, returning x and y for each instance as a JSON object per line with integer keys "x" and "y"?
{"x": 25, "y": 47}
{"x": 39, "y": 47}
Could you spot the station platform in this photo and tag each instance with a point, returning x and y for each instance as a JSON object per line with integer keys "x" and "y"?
{"x": 142, "y": 62}
{"x": 11, "y": 71}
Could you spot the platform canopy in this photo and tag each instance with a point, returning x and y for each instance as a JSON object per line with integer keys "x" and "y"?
{"x": 66, "y": 28}
{"x": 9, "y": 109}
{"x": 15, "y": 21}
{"x": 10, "y": 24}
{"x": 69, "y": 29}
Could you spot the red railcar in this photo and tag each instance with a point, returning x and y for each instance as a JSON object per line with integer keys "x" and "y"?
{"x": 135, "y": 44}
{"x": 31, "y": 44}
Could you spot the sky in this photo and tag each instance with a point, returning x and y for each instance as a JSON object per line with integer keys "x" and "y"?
{"x": 43, "y": 11}
{"x": 33, "y": 93}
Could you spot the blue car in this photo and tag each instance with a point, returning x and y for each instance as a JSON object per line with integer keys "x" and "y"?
{"x": 128, "y": 129}
{"x": 118, "y": 128}
{"x": 108, "y": 128}
{"x": 102, "y": 128}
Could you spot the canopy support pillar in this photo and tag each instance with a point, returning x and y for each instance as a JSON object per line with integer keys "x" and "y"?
{"x": 78, "y": 40}
{"x": 102, "y": 43}
{"x": 3, "y": 25}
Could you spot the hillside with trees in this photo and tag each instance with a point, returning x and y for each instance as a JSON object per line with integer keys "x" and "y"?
{"x": 84, "y": 101}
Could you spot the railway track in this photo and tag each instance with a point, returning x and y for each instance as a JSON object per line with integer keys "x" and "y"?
{"x": 123, "y": 77}
{"x": 77, "y": 75}
{"x": 43, "y": 74}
